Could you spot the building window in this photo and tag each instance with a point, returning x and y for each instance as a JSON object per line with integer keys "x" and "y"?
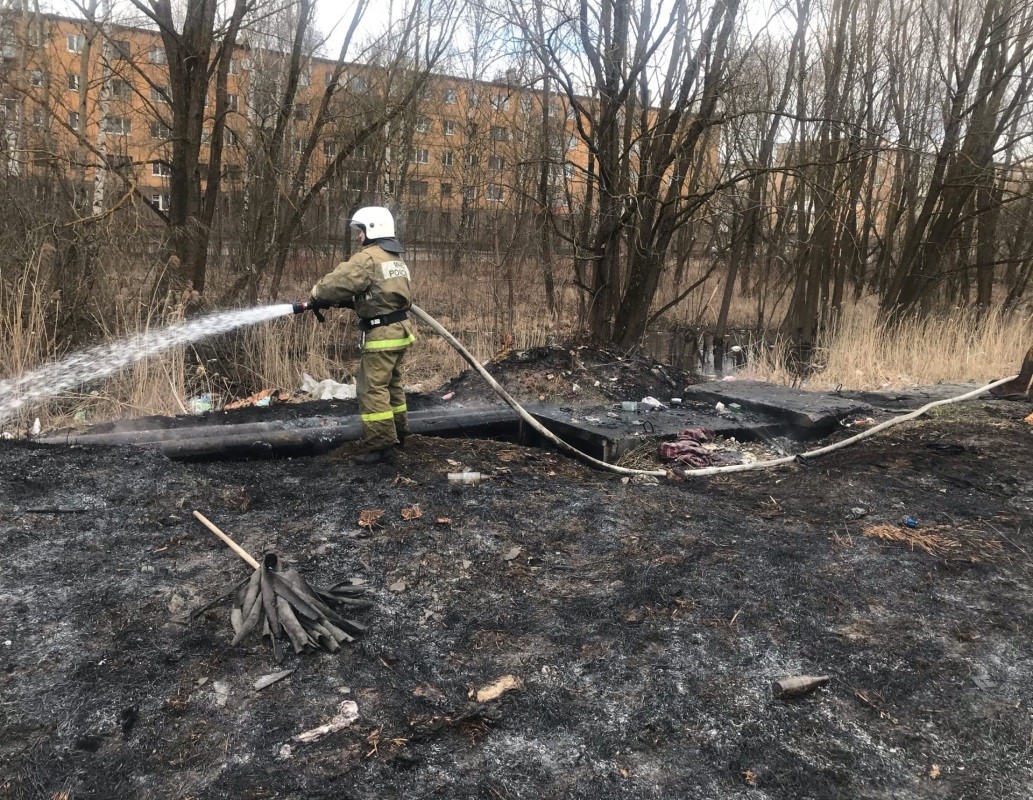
{"x": 37, "y": 78}
{"x": 418, "y": 188}
{"x": 73, "y": 81}
{"x": 234, "y": 66}
{"x": 526, "y": 104}
{"x": 157, "y": 55}
{"x": 422, "y": 125}
{"x": 119, "y": 89}
{"x": 73, "y": 120}
{"x": 299, "y": 145}
{"x": 302, "y": 111}
{"x": 496, "y": 193}
{"x": 497, "y": 163}
{"x": 160, "y": 94}
{"x": 120, "y": 49}
{"x": 119, "y": 126}
{"x": 329, "y": 150}
{"x": 448, "y": 127}
{"x": 357, "y": 84}
{"x": 39, "y": 119}
{"x": 230, "y": 138}
{"x": 446, "y": 190}
{"x": 470, "y": 193}
{"x": 160, "y": 169}
{"x": 472, "y": 160}
{"x": 76, "y": 42}
{"x": 328, "y": 77}
{"x": 500, "y": 102}
{"x": 448, "y": 158}
{"x": 499, "y": 134}
{"x": 473, "y": 97}
{"x": 304, "y": 78}
{"x": 232, "y": 104}
{"x": 120, "y": 162}
{"x": 159, "y": 130}
{"x": 421, "y": 155}
{"x": 451, "y": 96}
{"x": 160, "y": 201}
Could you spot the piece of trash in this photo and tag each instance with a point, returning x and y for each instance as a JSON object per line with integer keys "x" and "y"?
{"x": 721, "y": 408}
{"x": 448, "y": 396}
{"x": 593, "y": 420}
{"x": 983, "y": 682}
{"x": 8, "y": 642}
{"x": 675, "y": 401}
{"x": 1029, "y": 420}
{"x": 443, "y": 521}
{"x": 268, "y": 680}
{"x": 347, "y": 713}
{"x": 596, "y": 384}
{"x": 911, "y": 522}
{"x": 629, "y": 405}
{"x": 728, "y": 378}
{"x": 575, "y": 388}
{"x": 398, "y": 586}
{"x": 262, "y": 399}
{"x": 750, "y": 777}
{"x": 327, "y": 389}
{"x": 200, "y": 404}
{"x": 411, "y": 513}
{"x": 797, "y": 685}
{"x": 652, "y": 404}
{"x": 735, "y": 406}
{"x": 497, "y": 688}
{"x": 285, "y": 752}
{"x": 465, "y": 478}
{"x": 36, "y": 429}
{"x": 645, "y": 480}
{"x": 934, "y": 772}
{"x": 467, "y": 563}
{"x": 857, "y": 513}
{"x": 858, "y": 422}
{"x": 513, "y": 553}
{"x": 79, "y": 416}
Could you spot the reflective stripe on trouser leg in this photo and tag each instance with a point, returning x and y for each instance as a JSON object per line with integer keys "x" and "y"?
{"x": 376, "y": 372}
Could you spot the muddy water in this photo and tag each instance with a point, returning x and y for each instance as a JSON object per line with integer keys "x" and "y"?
{"x": 695, "y": 352}
{"x": 104, "y": 360}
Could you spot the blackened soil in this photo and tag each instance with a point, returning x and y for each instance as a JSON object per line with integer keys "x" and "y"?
{"x": 644, "y": 622}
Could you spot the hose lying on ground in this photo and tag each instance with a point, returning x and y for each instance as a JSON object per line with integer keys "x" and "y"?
{"x": 662, "y": 473}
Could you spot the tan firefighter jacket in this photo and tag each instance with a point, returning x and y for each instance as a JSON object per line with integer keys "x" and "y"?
{"x": 378, "y": 283}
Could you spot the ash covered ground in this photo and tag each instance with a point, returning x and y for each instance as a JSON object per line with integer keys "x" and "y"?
{"x": 643, "y": 624}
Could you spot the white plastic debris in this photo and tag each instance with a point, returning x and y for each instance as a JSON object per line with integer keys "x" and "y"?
{"x": 652, "y": 404}
{"x": 200, "y": 404}
{"x": 722, "y": 409}
{"x": 327, "y": 389}
{"x": 347, "y": 713}
{"x": 37, "y": 429}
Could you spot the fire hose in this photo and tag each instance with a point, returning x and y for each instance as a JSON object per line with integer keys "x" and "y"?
{"x": 565, "y": 447}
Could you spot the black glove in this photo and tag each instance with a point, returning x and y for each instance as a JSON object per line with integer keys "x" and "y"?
{"x": 314, "y": 303}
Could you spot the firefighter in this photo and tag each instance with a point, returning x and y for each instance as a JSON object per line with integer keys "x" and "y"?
{"x": 375, "y": 282}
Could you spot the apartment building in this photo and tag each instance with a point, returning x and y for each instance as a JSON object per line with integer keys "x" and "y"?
{"x": 467, "y": 154}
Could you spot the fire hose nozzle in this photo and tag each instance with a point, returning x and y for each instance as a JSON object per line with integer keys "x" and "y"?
{"x": 307, "y": 305}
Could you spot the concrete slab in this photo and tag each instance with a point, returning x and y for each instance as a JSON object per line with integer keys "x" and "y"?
{"x": 817, "y": 413}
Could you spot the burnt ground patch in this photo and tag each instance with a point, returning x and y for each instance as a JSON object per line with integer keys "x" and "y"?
{"x": 645, "y": 623}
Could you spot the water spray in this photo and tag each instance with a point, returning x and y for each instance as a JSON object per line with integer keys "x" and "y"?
{"x": 106, "y": 359}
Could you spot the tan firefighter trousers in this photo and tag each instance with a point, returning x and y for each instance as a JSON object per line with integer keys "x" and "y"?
{"x": 381, "y": 398}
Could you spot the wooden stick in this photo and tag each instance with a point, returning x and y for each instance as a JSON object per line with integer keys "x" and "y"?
{"x": 236, "y": 548}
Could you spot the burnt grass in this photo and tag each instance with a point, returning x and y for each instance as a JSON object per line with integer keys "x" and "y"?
{"x": 644, "y": 622}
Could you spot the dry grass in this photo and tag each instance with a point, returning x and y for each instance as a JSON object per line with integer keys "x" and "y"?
{"x": 488, "y": 304}
{"x": 864, "y": 352}
{"x": 941, "y": 541}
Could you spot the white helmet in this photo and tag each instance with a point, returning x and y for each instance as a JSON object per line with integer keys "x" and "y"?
{"x": 376, "y": 221}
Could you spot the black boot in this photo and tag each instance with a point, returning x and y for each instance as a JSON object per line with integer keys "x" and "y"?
{"x": 384, "y": 456}
{"x": 401, "y": 437}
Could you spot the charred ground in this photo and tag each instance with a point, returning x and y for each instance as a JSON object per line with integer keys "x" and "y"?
{"x": 645, "y": 623}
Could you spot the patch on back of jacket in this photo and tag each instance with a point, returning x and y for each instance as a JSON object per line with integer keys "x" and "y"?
{"x": 394, "y": 269}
